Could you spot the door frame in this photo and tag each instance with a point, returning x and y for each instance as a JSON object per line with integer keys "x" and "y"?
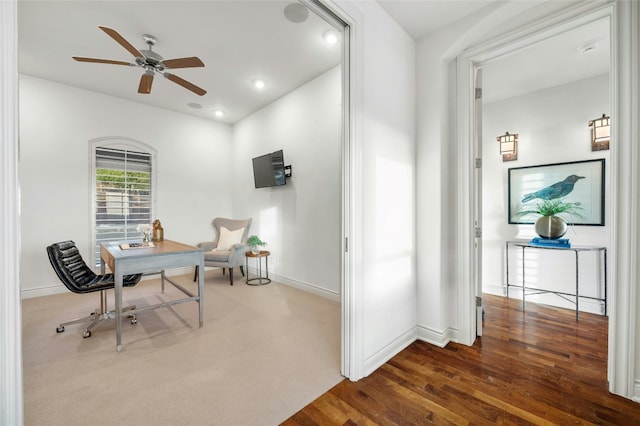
{"x": 351, "y": 360}
{"x": 624, "y": 251}
{"x": 11, "y": 399}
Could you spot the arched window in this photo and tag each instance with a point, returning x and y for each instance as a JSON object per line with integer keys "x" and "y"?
{"x": 123, "y": 185}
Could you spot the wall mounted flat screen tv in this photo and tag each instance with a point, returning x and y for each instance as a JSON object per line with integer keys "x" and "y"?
{"x": 268, "y": 170}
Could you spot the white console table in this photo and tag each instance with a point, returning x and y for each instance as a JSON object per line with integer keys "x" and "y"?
{"x": 524, "y": 245}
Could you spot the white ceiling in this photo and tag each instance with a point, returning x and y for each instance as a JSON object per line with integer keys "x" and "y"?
{"x": 239, "y": 41}
{"x": 419, "y": 18}
{"x": 549, "y": 63}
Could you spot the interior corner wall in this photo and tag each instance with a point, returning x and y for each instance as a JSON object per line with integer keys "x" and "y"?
{"x": 300, "y": 221}
{"x": 552, "y": 128}
{"x": 56, "y": 124}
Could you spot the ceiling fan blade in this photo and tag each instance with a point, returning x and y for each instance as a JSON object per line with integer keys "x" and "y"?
{"x": 102, "y": 61}
{"x": 145, "y": 83}
{"x": 191, "y": 62}
{"x": 121, "y": 40}
{"x": 184, "y": 83}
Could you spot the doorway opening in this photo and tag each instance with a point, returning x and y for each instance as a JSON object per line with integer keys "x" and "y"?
{"x": 482, "y": 58}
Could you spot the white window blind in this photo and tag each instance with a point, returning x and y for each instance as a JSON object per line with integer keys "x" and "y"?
{"x": 123, "y": 194}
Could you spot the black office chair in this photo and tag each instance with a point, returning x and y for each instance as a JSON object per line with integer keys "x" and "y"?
{"x": 79, "y": 278}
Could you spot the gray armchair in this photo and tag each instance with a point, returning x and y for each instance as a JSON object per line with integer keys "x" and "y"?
{"x": 229, "y": 246}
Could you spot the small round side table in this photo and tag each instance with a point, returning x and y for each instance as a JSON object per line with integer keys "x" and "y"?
{"x": 259, "y": 279}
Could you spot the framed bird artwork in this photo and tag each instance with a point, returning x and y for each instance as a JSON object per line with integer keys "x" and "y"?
{"x": 577, "y": 184}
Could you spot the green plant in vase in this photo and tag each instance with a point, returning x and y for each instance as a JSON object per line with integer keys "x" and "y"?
{"x": 553, "y": 216}
{"x": 255, "y": 244}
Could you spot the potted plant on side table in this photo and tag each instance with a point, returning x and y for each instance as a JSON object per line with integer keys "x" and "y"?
{"x": 255, "y": 244}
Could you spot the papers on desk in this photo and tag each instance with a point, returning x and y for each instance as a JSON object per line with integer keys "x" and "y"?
{"x": 127, "y": 246}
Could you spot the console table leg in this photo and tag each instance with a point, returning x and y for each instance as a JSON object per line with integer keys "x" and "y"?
{"x": 523, "y": 286}
{"x": 605, "y": 281}
{"x": 577, "y": 286}
{"x": 506, "y": 251}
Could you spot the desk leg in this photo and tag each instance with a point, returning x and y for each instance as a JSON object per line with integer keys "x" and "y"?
{"x": 200, "y": 289}
{"x": 577, "y": 286}
{"x": 118, "y": 297}
{"x": 162, "y": 281}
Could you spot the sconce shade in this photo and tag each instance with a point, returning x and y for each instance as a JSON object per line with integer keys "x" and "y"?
{"x": 600, "y": 133}
{"x": 508, "y": 146}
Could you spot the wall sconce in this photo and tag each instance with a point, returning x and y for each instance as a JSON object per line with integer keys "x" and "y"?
{"x": 508, "y": 146}
{"x": 600, "y": 133}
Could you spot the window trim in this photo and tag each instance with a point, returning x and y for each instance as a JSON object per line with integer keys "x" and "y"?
{"x": 116, "y": 142}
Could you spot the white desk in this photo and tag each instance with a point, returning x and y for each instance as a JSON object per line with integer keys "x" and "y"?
{"x": 577, "y": 250}
{"x": 164, "y": 255}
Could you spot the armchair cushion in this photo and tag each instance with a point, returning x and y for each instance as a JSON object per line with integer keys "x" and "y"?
{"x": 228, "y": 238}
{"x": 217, "y": 256}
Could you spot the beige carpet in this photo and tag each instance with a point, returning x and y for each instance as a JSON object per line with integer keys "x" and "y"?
{"x": 263, "y": 354}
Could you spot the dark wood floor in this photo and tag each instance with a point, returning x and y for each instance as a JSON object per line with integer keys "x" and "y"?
{"x": 538, "y": 367}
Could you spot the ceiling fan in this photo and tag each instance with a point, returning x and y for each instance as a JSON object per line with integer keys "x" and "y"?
{"x": 151, "y": 62}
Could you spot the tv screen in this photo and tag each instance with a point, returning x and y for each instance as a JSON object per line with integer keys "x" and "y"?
{"x": 268, "y": 170}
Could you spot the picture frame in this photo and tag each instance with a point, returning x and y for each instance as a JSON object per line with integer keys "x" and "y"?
{"x": 530, "y": 186}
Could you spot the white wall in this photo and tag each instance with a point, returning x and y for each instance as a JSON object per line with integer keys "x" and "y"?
{"x": 384, "y": 193}
{"x": 300, "y": 221}
{"x": 552, "y": 125}
{"x": 56, "y": 124}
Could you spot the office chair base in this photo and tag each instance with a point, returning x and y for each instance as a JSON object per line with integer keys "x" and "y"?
{"x": 95, "y": 318}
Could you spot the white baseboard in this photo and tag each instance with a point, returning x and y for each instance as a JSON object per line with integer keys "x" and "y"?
{"x": 43, "y": 291}
{"x": 586, "y": 305}
{"x": 385, "y": 354}
{"x": 437, "y": 338}
{"x": 498, "y": 290}
{"x": 310, "y": 288}
{"x": 51, "y": 289}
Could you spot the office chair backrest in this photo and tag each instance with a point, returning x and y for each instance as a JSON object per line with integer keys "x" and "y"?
{"x": 70, "y": 267}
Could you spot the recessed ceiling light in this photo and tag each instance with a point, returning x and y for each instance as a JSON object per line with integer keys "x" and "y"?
{"x": 259, "y": 84}
{"x": 331, "y": 37}
{"x": 195, "y": 105}
{"x": 218, "y": 113}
